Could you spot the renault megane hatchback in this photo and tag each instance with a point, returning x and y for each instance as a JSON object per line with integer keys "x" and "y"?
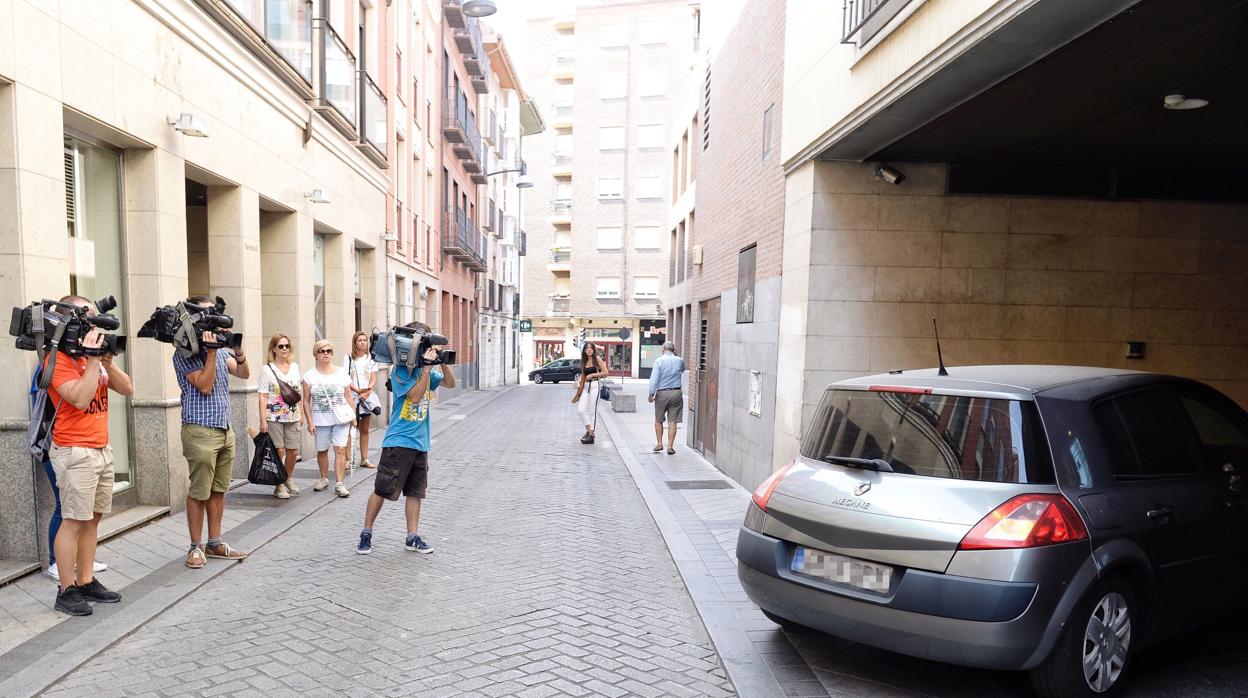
{"x": 1045, "y": 518}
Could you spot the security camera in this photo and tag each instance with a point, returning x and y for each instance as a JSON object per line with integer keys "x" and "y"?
{"x": 889, "y": 175}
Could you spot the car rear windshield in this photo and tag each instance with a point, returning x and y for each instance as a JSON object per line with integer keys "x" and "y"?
{"x": 949, "y": 436}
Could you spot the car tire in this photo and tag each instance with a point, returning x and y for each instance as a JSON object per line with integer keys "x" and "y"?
{"x": 538, "y": 379}
{"x": 1062, "y": 674}
{"x": 785, "y": 624}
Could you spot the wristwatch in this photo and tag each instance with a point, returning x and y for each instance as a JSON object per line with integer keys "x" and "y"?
{"x": 240, "y": 360}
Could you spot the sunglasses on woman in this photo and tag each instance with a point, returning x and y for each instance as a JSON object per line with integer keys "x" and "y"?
{"x": 282, "y": 346}
{"x": 324, "y": 351}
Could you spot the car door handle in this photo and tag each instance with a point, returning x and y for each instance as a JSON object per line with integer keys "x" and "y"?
{"x": 1160, "y": 514}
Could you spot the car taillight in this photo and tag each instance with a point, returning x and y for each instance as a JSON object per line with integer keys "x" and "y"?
{"x": 763, "y": 493}
{"x": 1027, "y": 521}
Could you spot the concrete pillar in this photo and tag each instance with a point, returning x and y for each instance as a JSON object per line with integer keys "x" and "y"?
{"x": 34, "y": 248}
{"x": 794, "y": 304}
{"x": 156, "y": 263}
{"x": 287, "y": 281}
{"x": 234, "y": 274}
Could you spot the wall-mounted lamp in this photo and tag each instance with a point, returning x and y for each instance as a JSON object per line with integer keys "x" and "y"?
{"x": 1136, "y": 350}
{"x": 889, "y": 175}
{"x": 480, "y": 8}
{"x": 316, "y": 196}
{"x": 524, "y": 182}
{"x": 188, "y": 125}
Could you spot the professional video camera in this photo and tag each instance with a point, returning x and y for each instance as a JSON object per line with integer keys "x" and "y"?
{"x": 47, "y": 325}
{"x": 395, "y": 347}
{"x": 183, "y": 325}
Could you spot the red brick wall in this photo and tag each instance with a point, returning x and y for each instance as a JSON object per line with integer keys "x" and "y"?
{"x": 740, "y": 195}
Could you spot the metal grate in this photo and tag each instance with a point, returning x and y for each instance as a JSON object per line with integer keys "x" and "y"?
{"x": 699, "y": 484}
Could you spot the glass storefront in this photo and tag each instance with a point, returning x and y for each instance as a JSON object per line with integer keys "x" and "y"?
{"x": 97, "y": 267}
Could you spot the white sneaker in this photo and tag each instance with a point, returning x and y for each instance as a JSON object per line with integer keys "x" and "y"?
{"x": 341, "y": 490}
{"x": 54, "y": 574}
{"x": 280, "y": 492}
{"x": 320, "y": 484}
{"x": 291, "y": 487}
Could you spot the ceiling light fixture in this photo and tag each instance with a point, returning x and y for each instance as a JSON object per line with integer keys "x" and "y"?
{"x": 1183, "y": 102}
{"x": 480, "y": 8}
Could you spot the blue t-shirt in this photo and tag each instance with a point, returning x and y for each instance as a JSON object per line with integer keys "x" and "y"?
{"x": 409, "y": 422}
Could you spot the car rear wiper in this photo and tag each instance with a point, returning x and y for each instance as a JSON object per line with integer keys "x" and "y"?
{"x": 876, "y": 464}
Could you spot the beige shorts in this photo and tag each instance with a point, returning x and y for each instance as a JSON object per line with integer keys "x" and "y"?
{"x": 669, "y": 404}
{"x": 209, "y": 457}
{"x": 85, "y": 479}
{"x": 285, "y": 434}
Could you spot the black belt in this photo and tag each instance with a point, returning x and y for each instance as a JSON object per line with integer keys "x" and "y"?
{"x": 662, "y": 390}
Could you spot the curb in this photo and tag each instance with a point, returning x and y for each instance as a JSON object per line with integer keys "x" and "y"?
{"x": 37, "y": 664}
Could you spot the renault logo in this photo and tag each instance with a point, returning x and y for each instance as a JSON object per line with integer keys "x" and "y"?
{"x": 861, "y": 489}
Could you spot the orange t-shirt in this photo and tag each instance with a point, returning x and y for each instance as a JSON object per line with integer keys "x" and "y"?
{"x": 75, "y": 427}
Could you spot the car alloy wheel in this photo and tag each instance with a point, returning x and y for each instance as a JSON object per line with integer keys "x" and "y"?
{"x": 538, "y": 379}
{"x": 1106, "y": 642}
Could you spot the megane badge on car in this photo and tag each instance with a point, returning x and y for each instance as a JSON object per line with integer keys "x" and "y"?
{"x": 861, "y": 489}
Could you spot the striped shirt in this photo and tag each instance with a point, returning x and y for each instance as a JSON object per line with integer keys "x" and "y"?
{"x": 205, "y": 410}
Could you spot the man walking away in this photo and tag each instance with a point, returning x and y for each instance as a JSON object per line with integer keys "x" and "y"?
{"x": 404, "y": 463}
{"x": 83, "y": 464}
{"x": 665, "y": 393}
{"x": 207, "y": 440}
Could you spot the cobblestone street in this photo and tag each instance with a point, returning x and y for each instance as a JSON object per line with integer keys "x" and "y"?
{"x": 549, "y": 578}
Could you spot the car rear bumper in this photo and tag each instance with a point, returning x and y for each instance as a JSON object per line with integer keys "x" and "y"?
{"x": 959, "y": 620}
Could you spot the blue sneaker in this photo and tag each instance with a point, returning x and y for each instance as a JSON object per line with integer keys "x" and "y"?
{"x": 366, "y": 543}
{"x": 417, "y": 545}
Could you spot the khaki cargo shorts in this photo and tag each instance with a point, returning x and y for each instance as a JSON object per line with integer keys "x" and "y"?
{"x": 85, "y": 478}
{"x": 285, "y": 434}
{"x": 669, "y": 403}
{"x": 209, "y": 455}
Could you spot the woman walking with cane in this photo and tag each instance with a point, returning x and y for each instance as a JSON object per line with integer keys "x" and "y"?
{"x": 593, "y": 367}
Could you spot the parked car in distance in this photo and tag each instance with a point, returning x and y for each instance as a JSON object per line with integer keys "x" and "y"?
{"x": 558, "y": 370}
{"x": 1053, "y": 519}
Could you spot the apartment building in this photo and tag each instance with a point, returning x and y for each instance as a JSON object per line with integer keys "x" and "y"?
{"x": 725, "y": 231}
{"x": 1053, "y": 182}
{"x": 151, "y": 150}
{"x": 614, "y": 75}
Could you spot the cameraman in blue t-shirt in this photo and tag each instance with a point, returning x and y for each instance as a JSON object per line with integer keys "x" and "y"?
{"x": 404, "y": 464}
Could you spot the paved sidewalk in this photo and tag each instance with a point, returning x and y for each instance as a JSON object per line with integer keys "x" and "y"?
{"x": 38, "y": 644}
{"x": 549, "y": 577}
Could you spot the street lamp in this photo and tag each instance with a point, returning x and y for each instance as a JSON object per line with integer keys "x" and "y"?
{"x": 522, "y": 182}
{"x": 480, "y": 8}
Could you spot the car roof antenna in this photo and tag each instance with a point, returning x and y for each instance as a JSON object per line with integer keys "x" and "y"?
{"x": 939, "y": 357}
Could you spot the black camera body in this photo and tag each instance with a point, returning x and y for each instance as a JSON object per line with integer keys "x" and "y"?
{"x": 55, "y": 326}
{"x": 183, "y": 325}
{"x": 407, "y": 346}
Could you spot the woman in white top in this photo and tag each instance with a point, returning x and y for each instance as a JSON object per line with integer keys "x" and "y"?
{"x": 363, "y": 372}
{"x": 279, "y": 419}
{"x": 329, "y": 407}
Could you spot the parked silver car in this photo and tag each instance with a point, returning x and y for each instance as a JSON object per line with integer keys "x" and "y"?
{"x": 1046, "y": 518}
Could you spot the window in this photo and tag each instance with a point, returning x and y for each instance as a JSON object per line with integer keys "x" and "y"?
{"x": 610, "y": 238}
{"x": 652, "y": 32}
{"x": 612, "y": 35}
{"x": 607, "y": 287}
{"x": 564, "y": 94}
{"x": 612, "y": 86}
{"x": 646, "y": 237}
{"x": 610, "y": 188}
{"x": 746, "y": 261}
{"x": 650, "y": 136}
{"x": 646, "y": 286}
{"x": 1221, "y": 426}
{"x": 1147, "y": 435}
{"x": 563, "y": 190}
{"x": 652, "y": 83}
{"x": 610, "y": 137}
{"x": 649, "y": 188}
{"x": 563, "y": 144}
{"x": 767, "y": 130}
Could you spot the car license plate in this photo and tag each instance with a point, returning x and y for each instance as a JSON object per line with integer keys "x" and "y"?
{"x": 842, "y": 570}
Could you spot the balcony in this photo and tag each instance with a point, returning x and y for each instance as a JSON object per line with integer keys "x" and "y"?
{"x": 373, "y": 124}
{"x": 563, "y": 115}
{"x": 865, "y": 18}
{"x": 563, "y": 165}
{"x": 565, "y": 65}
{"x": 560, "y": 260}
{"x": 454, "y": 13}
{"x": 339, "y": 80}
{"x": 278, "y": 32}
{"x": 560, "y": 304}
{"x": 561, "y": 211}
{"x": 459, "y": 128}
{"x": 461, "y": 239}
